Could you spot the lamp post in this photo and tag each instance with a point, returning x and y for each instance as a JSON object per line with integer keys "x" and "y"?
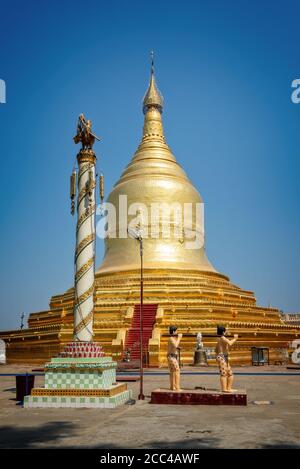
{"x": 137, "y": 235}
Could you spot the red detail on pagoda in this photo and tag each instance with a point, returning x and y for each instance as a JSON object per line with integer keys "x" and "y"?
{"x": 132, "y": 341}
{"x": 82, "y": 350}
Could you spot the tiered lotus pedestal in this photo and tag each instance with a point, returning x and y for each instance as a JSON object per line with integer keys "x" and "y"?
{"x": 198, "y": 397}
{"x": 80, "y": 377}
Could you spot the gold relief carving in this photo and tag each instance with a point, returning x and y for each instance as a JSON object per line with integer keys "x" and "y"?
{"x": 79, "y": 392}
{"x": 84, "y": 269}
{"x": 84, "y": 323}
{"x": 84, "y": 296}
{"x": 148, "y": 136}
{"x": 153, "y": 129}
{"x": 85, "y": 191}
{"x": 89, "y": 211}
{"x": 83, "y": 169}
{"x": 87, "y": 240}
{"x": 86, "y": 158}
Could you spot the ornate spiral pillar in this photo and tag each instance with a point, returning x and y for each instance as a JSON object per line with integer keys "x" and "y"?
{"x": 85, "y": 247}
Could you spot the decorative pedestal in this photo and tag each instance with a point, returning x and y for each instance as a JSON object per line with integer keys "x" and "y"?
{"x": 80, "y": 377}
{"x": 198, "y": 397}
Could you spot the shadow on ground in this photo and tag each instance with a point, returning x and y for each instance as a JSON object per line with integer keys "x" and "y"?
{"x": 52, "y": 434}
{"x": 28, "y": 437}
{"x": 201, "y": 443}
{"x": 195, "y": 443}
{"x": 281, "y": 445}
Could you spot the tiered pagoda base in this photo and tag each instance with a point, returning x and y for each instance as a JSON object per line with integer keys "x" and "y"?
{"x": 198, "y": 397}
{"x": 194, "y": 301}
{"x": 80, "y": 377}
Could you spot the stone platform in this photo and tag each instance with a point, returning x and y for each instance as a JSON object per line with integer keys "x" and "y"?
{"x": 115, "y": 396}
{"x": 198, "y": 397}
{"x": 81, "y": 377}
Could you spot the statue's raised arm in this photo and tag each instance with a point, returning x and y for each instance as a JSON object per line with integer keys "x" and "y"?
{"x": 84, "y": 133}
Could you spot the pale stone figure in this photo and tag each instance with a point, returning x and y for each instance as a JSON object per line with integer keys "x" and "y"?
{"x": 222, "y": 357}
{"x": 172, "y": 357}
{"x": 200, "y": 357}
{"x": 199, "y": 345}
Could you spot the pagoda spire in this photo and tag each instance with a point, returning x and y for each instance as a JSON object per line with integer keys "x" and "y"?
{"x": 153, "y": 97}
{"x": 152, "y": 108}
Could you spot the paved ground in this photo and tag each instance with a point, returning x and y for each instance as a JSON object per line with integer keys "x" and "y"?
{"x": 144, "y": 425}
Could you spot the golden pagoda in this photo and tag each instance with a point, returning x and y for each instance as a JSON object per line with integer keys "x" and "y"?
{"x": 181, "y": 286}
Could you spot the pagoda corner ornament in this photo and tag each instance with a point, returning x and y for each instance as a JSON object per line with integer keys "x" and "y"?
{"x": 85, "y": 231}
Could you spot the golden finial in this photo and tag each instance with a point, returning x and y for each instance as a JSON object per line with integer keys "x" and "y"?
{"x": 153, "y": 97}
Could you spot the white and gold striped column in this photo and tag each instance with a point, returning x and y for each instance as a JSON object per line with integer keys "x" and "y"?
{"x": 85, "y": 247}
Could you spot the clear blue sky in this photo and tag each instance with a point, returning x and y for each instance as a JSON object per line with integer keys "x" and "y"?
{"x": 225, "y": 69}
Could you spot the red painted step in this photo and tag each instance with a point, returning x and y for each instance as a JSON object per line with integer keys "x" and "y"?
{"x": 132, "y": 341}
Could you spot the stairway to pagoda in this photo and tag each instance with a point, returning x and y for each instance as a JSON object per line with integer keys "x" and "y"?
{"x": 132, "y": 341}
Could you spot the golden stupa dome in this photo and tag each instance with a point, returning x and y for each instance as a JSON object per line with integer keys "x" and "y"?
{"x": 151, "y": 184}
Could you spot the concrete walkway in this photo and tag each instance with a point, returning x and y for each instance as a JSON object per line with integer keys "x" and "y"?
{"x": 144, "y": 425}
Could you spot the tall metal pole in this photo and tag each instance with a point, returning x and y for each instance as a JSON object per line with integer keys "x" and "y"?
{"x": 141, "y": 395}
